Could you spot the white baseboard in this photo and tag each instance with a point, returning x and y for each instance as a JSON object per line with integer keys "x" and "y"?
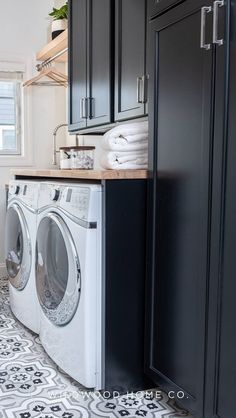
{"x": 3, "y": 270}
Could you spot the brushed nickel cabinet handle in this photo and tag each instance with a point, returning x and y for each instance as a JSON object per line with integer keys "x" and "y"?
{"x": 83, "y": 108}
{"x": 82, "y": 115}
{"x": 204, "y": 11}
{"x": 144, "y": 88}
{"x": 139, "y": 81}
{"x": 217, "y": 4}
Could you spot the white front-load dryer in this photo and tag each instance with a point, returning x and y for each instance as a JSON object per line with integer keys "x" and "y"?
{"x": 20, "y": 237}
{"x": 69, "y": 278}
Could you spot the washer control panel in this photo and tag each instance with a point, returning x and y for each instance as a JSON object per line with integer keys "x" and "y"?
{"x": 76, "y": 201}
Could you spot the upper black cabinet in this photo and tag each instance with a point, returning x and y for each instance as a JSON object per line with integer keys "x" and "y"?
{"x": 90, "y": 63}
{"x": 107, "y": 62}
{"x": 130, "y": 59}
{"x": 77, "y": 62}
{"x": 156, "y": 7}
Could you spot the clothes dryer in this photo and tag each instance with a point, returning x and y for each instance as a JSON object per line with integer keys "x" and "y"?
{"x": 20, "y": 237}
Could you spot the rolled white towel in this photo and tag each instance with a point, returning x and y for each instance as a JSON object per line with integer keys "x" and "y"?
{"x": 124, "y": 160}
{"x": 126, "y": 134}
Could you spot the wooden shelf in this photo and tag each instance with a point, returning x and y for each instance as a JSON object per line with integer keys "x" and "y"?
{"x": 82, "y": 174}
{"x": 53, "y": 47}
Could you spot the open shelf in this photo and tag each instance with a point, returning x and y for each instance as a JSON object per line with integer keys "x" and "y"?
{"x": 53, "y": 47}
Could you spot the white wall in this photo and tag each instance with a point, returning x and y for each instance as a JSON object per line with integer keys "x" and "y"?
{"x": 24, "y": 29}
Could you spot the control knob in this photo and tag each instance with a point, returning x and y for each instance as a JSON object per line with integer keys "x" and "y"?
{"x": 16, "y": 190}
{"x": 55, "y": 194}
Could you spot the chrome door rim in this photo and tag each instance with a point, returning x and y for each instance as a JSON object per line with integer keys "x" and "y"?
{"x": 67, "y": 308}
{"x": 21, "y": 279}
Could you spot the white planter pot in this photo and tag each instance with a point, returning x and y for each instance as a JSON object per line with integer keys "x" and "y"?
{"x": 58, "y": 26}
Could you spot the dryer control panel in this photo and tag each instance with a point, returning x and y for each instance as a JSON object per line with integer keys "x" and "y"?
{"x": 26, "y": 192}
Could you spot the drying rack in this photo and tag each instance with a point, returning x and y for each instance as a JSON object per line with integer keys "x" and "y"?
{"x": 51, "y": 74}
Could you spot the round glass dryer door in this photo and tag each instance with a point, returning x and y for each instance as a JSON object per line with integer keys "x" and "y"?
{"x": 58, "y": 279}
{"x": 18, "y": 247}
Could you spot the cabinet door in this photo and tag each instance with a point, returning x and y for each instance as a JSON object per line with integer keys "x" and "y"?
{"x": 179, "y": 186}
{"x": 159, "y": 6}
{"x": 100, "y": 40}
{"x": 221, "y": 366}
{"x": 130, "y": 58}
{"x": 77, "y": 63}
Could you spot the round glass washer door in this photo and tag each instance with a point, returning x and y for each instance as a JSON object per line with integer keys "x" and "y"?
{"x": 18, "y": 247}
{"x": 58, "y": 277}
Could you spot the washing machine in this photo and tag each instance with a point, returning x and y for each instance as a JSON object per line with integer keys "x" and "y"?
{"x": 20, "y": 238}
{"x": 69, "y": 278}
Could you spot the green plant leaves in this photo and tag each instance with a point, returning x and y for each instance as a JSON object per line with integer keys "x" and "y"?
{"x": 61, "y": 13}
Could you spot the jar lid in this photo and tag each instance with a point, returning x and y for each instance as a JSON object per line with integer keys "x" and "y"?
{"x": 82, "y": 148}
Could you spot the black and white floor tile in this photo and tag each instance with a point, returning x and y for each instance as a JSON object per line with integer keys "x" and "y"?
{"x": 32, "y": 386}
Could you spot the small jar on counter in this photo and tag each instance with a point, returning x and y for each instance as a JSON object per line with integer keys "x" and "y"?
{"x": 82, "y": 158}
{"x": 65, "y": 158}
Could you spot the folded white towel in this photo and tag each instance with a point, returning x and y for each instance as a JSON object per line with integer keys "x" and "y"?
{"x": 128, "y": 143}
{"x": 131, "y": 132}
{"x": 124, "y": 160}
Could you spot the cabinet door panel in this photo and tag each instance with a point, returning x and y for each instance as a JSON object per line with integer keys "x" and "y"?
{"x": 159, "y": 6}
{"x": 99, "y": 61}
{"x": 130, "y": 56}
{"x": 180, "y": 185}
{"x": 221, "y": 366}
{"x": 77, "y": 62}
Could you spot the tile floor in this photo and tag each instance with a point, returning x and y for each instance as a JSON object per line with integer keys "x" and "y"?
{"x": 32, "y": 386}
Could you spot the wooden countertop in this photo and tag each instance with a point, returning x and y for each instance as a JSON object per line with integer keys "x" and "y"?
{"x": 83, "y": 174}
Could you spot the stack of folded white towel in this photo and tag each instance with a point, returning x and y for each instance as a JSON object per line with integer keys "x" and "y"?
{"x": 125, "y": 147}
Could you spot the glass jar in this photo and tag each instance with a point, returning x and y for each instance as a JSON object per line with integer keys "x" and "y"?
{"x": 82, "y": 158}
{"x": 65, "y": 158}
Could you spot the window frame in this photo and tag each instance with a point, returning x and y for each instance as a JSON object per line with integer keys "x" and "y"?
{"x": 14, "y": 63}
{"x": 18, "y": 118}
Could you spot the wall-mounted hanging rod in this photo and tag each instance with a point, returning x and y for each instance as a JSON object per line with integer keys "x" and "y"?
{"x": 48, "y": 61}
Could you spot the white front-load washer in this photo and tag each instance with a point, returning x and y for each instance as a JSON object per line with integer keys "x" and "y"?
{"x": 69, "y": 278}
{"x": 20, "y": 237}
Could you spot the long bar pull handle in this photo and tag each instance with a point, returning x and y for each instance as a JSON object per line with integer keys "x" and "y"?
{"x": 83, "y": 108}
{"x": 139, "y": 81}
{"x": 204, "y": 11}
{"x": 217, "y": 4}
{"x": 91, "y": 105}
{"x": 144, "y": 88}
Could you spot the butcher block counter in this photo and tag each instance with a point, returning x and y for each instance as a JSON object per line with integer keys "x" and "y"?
{"x": 81, "y": 174}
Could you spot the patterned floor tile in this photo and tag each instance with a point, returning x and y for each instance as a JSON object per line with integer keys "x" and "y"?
{"x": 32, "y": 386}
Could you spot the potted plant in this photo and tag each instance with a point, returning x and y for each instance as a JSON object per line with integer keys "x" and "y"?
{"x": 60, "y": 18}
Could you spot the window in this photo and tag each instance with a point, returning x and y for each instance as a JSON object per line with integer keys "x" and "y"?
{"x": 10, "y": 112}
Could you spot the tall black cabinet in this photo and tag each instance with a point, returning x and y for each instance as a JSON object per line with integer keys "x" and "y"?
{"x": 188, "y": 66}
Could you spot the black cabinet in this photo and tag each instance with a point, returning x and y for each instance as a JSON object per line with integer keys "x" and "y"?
{"x": 221, "y": 348}
{"x": 156, "y": 7}
{"x": 90, "y": 63}
{"x": 188, "y": 84}
{"x": 77, "y": 62}
{"x": 107, "y": 62}
{"x": 130, "y": 59}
